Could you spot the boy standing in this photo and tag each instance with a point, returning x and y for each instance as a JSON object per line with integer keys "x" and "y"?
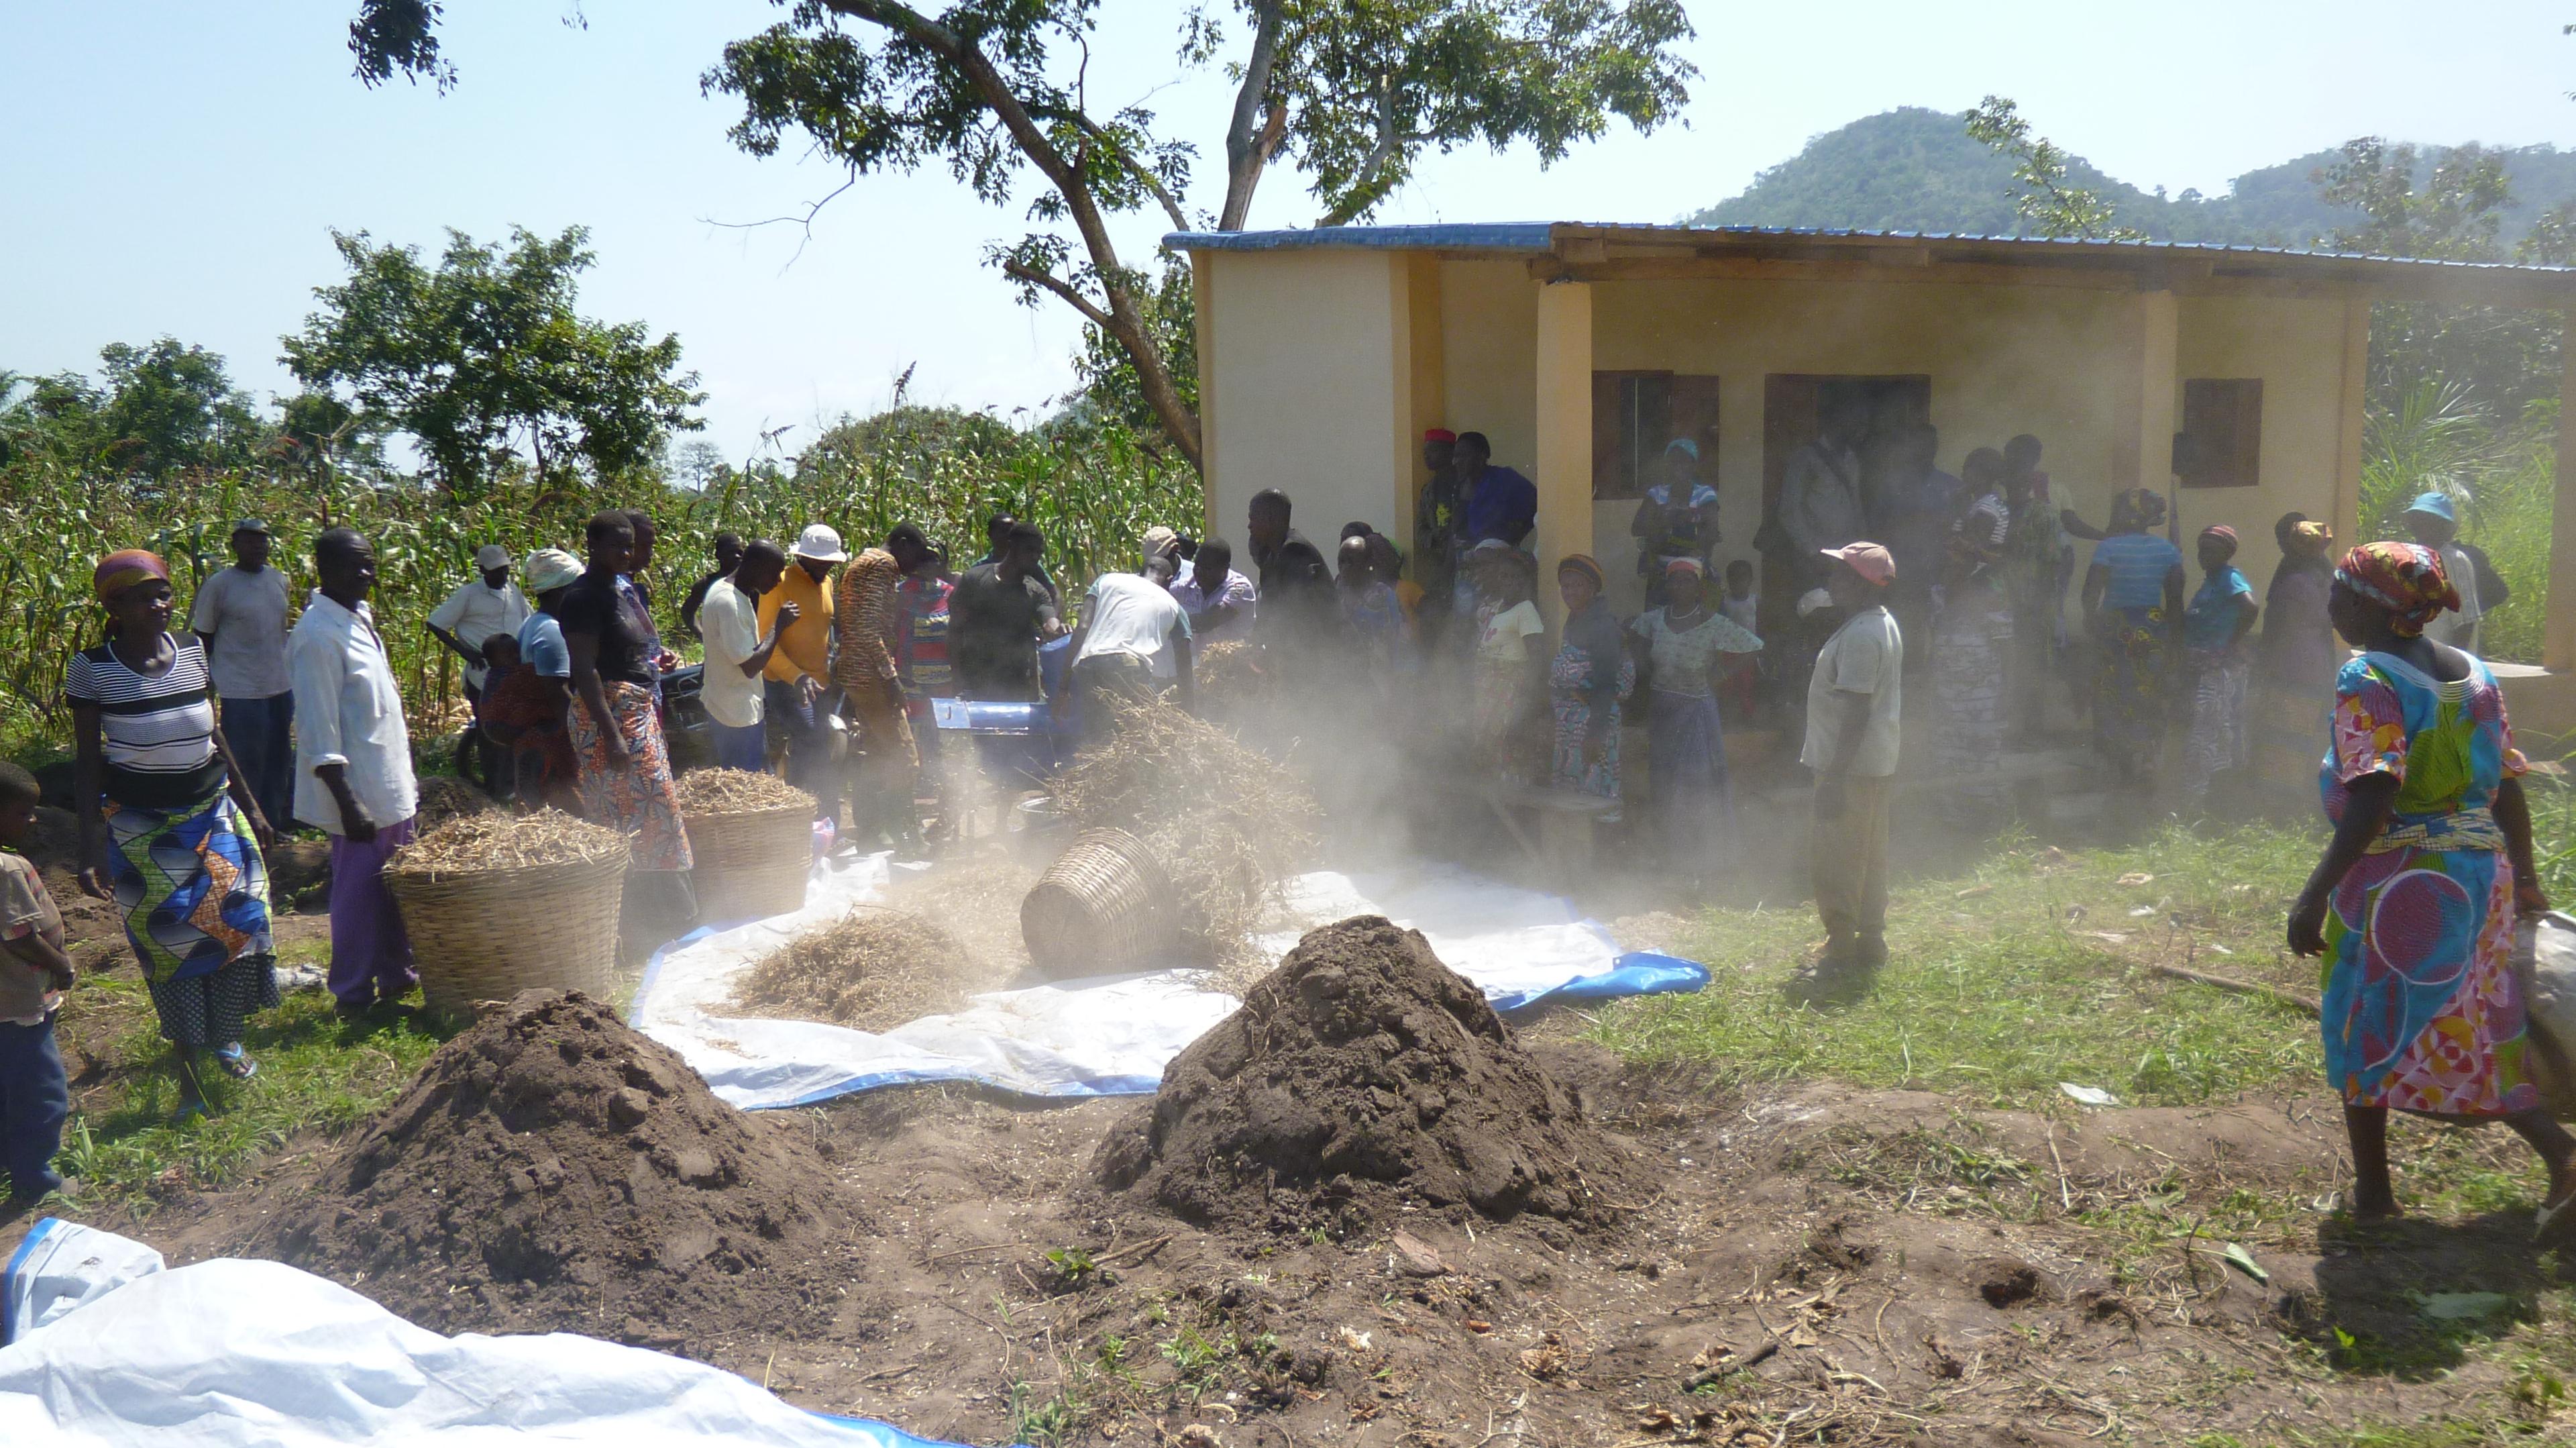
{"x": 35, "y": 1096}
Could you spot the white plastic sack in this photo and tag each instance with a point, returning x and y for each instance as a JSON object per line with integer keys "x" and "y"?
{"x": 60, "y": 1265}
{"x": 234, "y": 1352}
{"x": 2545, "y": 960}
{"x": 1109, "y": 1035}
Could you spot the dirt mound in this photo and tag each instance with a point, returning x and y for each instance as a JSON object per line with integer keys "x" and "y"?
{"x": 553, "y": 1169}
{"x": 1362, "y": 1067}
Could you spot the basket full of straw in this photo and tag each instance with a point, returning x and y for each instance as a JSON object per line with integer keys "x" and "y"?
{"x": 497, "y": 903}
{"x": 752, "y": 838}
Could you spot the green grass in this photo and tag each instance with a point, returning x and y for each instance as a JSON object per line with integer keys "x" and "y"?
{"x": 318, "y": 1074}
{"x": 1993, "y": 993}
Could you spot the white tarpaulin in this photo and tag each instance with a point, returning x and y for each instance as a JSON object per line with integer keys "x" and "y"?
{"x": 1113, "y": 1035}
{"x": 108, "y": 1348}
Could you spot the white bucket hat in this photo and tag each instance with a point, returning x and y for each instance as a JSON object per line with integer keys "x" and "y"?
{"x": 491, "y": 555}
{"x": 548, "y": 569}
{"x": 820, "y": 543}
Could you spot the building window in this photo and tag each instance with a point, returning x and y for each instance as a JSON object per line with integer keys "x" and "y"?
{"x": 1636, "y": 415}
{"x": 2222, "y": 432}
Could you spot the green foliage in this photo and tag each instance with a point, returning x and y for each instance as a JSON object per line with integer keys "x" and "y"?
{"x": 1993, "y": 993}
{"x": 1364, "y": 90}
{"x": 2454, "y": 217}
{"x": 1915, "y": 169}
{"x": 486, "y": 349}
{"x": 1109, "y": 379}
{"x": 2048, "y": 200}
{"x": 1093, "y": 490}
{"x": 164, "y": 408}
{"x": 2502, "y": 480}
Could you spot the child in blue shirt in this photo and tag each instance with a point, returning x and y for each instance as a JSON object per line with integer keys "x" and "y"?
{"x": 2214, "y": 626}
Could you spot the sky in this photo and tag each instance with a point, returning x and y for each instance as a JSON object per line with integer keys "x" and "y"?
{"x": 178, "y": 168}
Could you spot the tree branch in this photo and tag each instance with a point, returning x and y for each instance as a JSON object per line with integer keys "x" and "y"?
{"x": 1248, "y": 150}
{"x": 1061, "y": 288}
{"x": 1124, "y": 321}
{"x": 1143, "y": 173}
{"x": 1368, "y": 186}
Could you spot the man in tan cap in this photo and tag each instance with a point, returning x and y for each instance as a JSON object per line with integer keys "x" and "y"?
{"x": 1854, "y": 702}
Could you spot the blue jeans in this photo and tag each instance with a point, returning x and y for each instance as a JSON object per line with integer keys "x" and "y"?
{"x": 743, "y": 748}
{"x": 260, "y": 734}
{"x": 35, "y": 1098}
{"x": 809, "y": 745}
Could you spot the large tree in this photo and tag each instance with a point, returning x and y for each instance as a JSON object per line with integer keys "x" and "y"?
{"x": 485, "y": 351}
{"x": 1351, "y": 92}
{"x": 161, "y": 408}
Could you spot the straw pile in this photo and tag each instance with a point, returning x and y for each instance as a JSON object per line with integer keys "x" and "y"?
{"x": 444, "y": 797}
{"x": 872, "y": 970}
{"x": 1224, "y": 676}
{"x": 1227, "y": 821}
{"x": 738, "y": 791}
{"x": 478, "y": 843}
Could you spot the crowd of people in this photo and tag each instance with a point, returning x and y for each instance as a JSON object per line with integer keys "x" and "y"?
{"x": 195, "y": 745}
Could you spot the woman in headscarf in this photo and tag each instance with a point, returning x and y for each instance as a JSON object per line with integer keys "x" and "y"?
{"x": 2214, "y": 627}
{"x": 1676, "y": 518}
{"x": 1590, "y": 675}
{"x": 2132, "y": 598}
{"x": 168, "y": 829}
{"x": 2297, "y": 654}
{"x": 2414, "y": 900}
{"x": 1687, "y": 644}
{"x": 1972, "y": 646}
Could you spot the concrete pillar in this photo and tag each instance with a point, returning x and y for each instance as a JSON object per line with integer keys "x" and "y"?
{"x": 2558, "y": 629}
{"x": 2350, "y": 418}
{"x": 1420, "y": 350}
{"x": 1563, "y": 413}
{"x": 1203, "y": 322}
{"x": 2142, "y": 416}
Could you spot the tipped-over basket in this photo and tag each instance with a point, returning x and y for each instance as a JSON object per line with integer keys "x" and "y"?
{"x": 488, "y": 934}
{"x": 749, "y": 863}
{"x": 1099, "y": 909}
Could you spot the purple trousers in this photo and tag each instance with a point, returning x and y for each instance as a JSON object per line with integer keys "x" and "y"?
{"x": 370, "y": 954}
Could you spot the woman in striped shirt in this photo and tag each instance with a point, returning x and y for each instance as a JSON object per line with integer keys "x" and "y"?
{"x": 170, "y": 831}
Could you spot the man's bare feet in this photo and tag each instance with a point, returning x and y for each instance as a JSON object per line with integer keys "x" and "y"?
{"x": 2371, "y": 1208}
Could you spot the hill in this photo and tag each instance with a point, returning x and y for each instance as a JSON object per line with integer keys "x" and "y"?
{"x": 1915, "y": 169}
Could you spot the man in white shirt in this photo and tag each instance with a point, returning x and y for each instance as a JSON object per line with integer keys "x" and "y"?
{"x": 1854, "y": 705}
{"x": 353, "y": 769}
{"x": 729, "y": 621}
{"x": 1133, "y": 635}
{"x": 241, "y": 614}
{"x": 470, "y": 616}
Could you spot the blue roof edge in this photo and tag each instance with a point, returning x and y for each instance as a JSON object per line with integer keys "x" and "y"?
{"x": 1539, "y": 236}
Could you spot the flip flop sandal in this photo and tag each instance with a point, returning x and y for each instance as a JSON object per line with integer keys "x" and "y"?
{"x": 2555, "y": 1224}
{"x": 236, "y": 1064}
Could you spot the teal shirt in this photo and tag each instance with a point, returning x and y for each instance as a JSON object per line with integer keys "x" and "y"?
{"x": 2209, "y": 621}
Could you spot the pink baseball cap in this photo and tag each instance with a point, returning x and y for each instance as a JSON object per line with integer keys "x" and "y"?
{"x": 1868, "y": 560}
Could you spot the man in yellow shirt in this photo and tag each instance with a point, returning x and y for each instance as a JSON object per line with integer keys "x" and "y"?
{"x": 800, "y": 671}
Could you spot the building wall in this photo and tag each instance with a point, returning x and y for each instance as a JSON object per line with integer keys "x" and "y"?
{"x": 2003, "y": 360}
{"x": 1309, "y": 383}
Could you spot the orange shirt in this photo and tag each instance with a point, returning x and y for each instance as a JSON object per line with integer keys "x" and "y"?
{"x": 806, "y": 647}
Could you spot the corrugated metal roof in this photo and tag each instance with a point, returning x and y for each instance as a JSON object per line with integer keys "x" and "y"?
{"x": 1540, "y": 237}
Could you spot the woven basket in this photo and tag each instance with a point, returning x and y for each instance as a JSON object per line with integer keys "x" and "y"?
{"x": 490, "y": 934}
{"x": 1099, "y": 909}
{"x": 751, "y": 864}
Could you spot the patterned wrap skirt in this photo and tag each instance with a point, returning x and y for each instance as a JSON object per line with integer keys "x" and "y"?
{"x": 194, "y": 891}
{"x": 636, "y": 798}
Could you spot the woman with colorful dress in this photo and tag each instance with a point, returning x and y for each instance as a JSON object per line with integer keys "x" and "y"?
{"x": 1590, "y": 675}
{"x": 2296, "y": 654}
{"x": 2132, "y": 597}
{"x": 1676, "y": 518}
{"x": 167, "y": 825}
{"x": 2414, "y": 901}
{"x": 617, "y": 736}
{"x": 2214, "y": 626}
{"x": 1507, "y": 677}
{"x": 1688, "y": 645}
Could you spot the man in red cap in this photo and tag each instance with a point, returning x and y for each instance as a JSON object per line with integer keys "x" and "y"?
{"x": 1854, "y": 702}
{"x": 1437, "y": 516}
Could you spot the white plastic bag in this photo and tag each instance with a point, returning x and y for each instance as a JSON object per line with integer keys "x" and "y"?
{"x": 62, "y": 1265}
{"x": 2544, "y": 960}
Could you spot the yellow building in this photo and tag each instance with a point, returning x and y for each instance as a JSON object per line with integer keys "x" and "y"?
{"x": 1581, "y": 350}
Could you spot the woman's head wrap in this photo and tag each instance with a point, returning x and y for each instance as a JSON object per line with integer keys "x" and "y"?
{"x": 2404, "y": 578}
{"x": 2137, "y": 507}
{"x": 2223, "y": 534}
{"x": 1582, "y": 563}
{"x": 125, "y": 568}
{"x": 1685, "y": 446}
{"x": 1691, "y": 566}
